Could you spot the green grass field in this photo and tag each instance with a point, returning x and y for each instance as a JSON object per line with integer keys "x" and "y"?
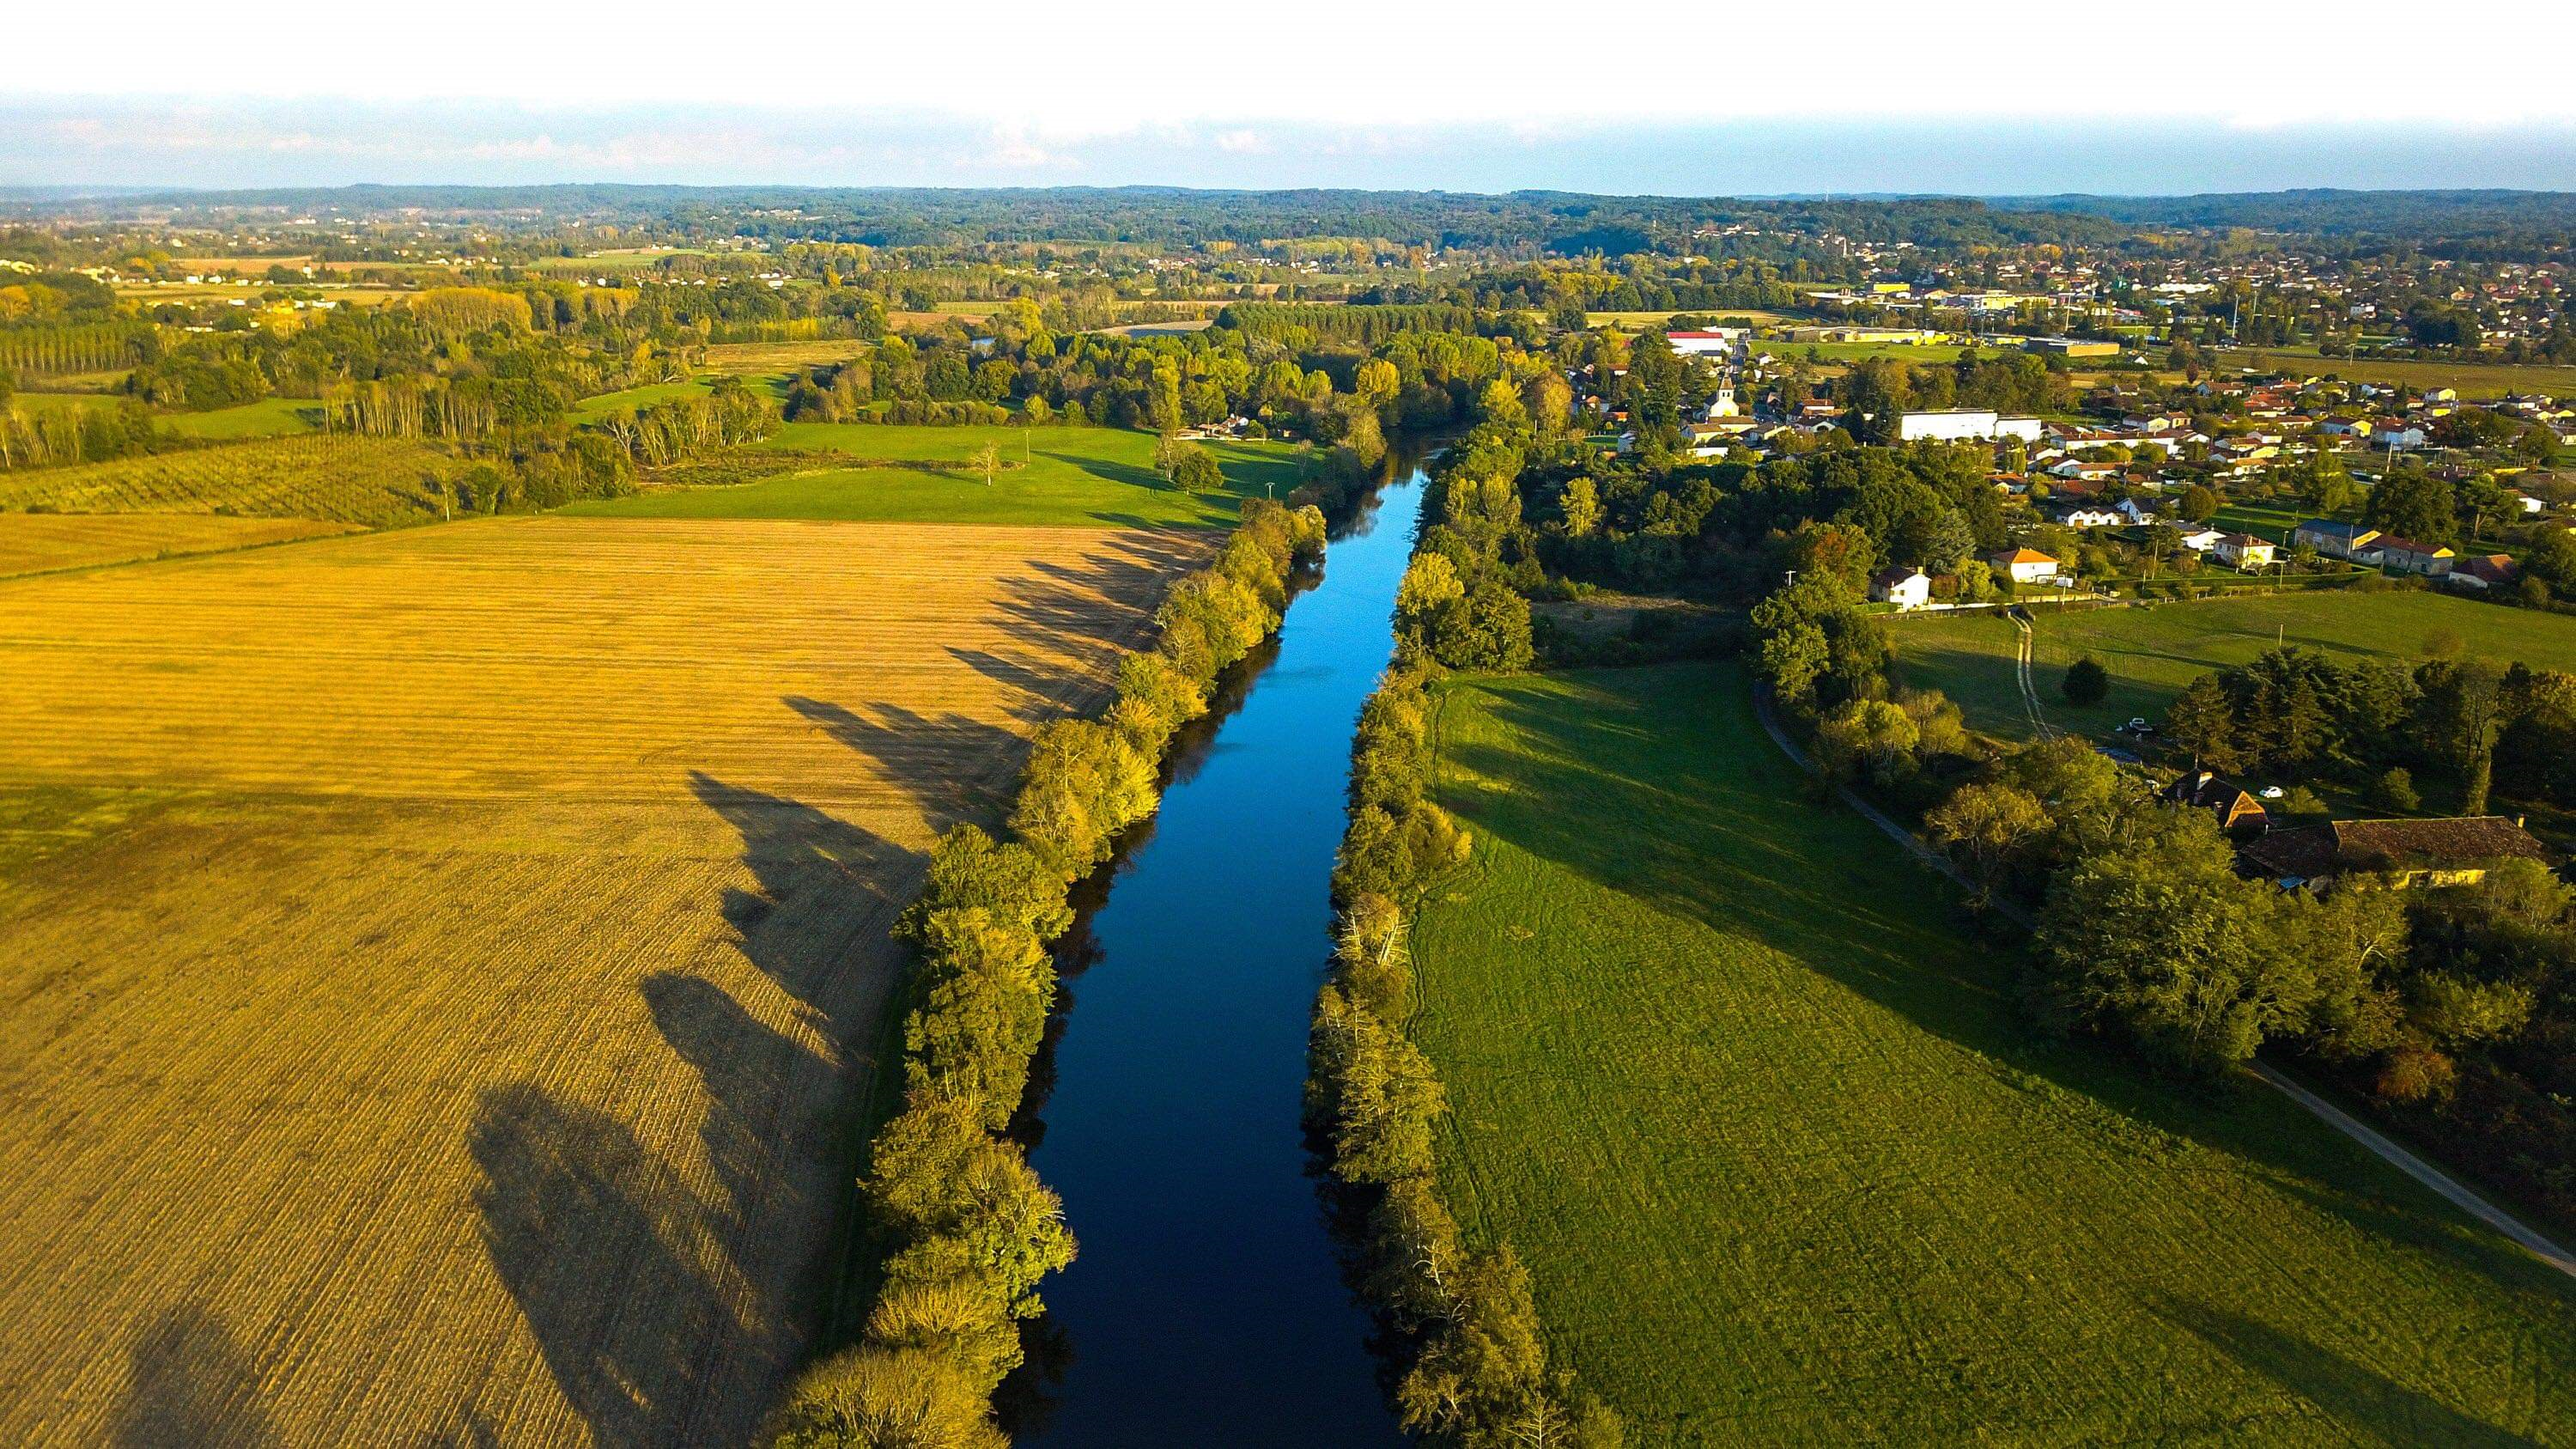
{"x": 2473, "y": 379}
{"x": 2153, "y": 652}
{"x": 1788, "y": 1169}
{"x": 275, "y": 417}
{"x": 592, "y": 409}
{"x": 1051, "y": 476}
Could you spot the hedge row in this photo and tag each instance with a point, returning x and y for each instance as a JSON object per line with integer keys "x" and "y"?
{"x": 968, "y": 1229}
{"x": 1477, "y": 1373}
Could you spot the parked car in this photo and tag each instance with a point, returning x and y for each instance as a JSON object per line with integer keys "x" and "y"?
{"x": 2271, "y": 792}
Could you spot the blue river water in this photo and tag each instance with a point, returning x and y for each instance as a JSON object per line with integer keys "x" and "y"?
{"x": 1207, "y": 1305}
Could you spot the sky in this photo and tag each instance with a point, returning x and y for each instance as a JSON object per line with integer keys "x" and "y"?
{"x": 2002, "y": 97}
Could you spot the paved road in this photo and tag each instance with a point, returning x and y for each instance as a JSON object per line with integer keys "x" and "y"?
{"x": 2450, "y": 1188}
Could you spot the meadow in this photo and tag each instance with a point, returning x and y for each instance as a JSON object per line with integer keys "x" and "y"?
{"x": 32, "y": 543}
{"x": 1787, "y": 1167}
{"x": 439, "y": 964}
{"x": 1052, "y": 475}
{"x": 377, "y": 482}
{"x": 2473, "y": 379}
{"x": 2152, "y": 652}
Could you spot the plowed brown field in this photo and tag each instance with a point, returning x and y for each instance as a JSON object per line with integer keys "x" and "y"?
{"x": 435, "y": 967}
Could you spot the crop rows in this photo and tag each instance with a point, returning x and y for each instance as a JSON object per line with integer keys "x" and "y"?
{"x": 460, "y": 1038}
{"x": 373, "y": 481}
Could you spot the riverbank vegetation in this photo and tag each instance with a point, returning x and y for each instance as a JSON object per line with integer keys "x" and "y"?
{"x": 1786, "y": 1165}
{"x": 966, "y": 1230}
{"x": 1474, "y": 1366}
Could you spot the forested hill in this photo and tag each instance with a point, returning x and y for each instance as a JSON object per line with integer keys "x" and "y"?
{"x": 2407, "y": 214}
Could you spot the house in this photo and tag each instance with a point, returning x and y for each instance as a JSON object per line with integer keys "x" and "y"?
{"x": 1715, "y": 342}
{"x": 2231, "y": 803}
{"x": 1958, "y": 425}
{"x": 2405, "y": 556}
{"x": 2483, "y": 572}
{"x": 1905, "y": 588}
{"x": 2393, "y": 433}
{"x": 2396, "y": 853}
{"x": 2333, "y": 539}
{"x": 2243, "y": 551}
{"x": 2202, "y": 538}
{"x": 2079, "y": 514}
{"x": 2023, "y": 565}
{"x": 2137, "y": 513}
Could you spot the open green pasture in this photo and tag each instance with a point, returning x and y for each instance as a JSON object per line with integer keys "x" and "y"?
{"x": 2153, "y": 651}
{"x": 1051, "y": 475}
{"x": 1788, "y": 1168}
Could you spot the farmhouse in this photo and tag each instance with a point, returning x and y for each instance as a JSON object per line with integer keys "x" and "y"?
{"x": 2333, "y": 539}
{"x": 2230, "y": 802}
{"x": 2242, "y": 551}
{"x": 1957, "y": 425}
{"x": 2405, "y": 556}
{"x": 2079, "y": 514}
{"x": 1905, "y": 588}
{"x": 2485, "y": 571}
{"x": 2023, "y": 565}
{"x": 2398, "y": 853}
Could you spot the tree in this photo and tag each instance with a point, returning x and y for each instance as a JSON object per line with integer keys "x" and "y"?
{"x": 870, "y": 1397}
{"x": 988, "y": 462}
{"x": 2163, "y": 941}
{"x": 2086, "y": 683}
{"x": 1870, "y": 733}
{"x": 2464, "y": 709}
{"x": 2202, "y": 723}
{"x": 1984, "y": 826}
{"x": 2199, "y": 503}
{"x": 1581, "y": 505}
{"x": 1195, "y": 471}
{"x": 1376, "y": 382}
{"x": 2394, "y": 792}
{"x": 2413, "y": 504}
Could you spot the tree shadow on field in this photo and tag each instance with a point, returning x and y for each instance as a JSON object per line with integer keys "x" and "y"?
{"x": 951, "y": 767}
{"x": 2367, "y": 1406}
{"x": 192, "y": 1385}
{"x": 1103, "y": 600}
{"x": 1134, "y": 475}
{"x": 607, "y": 1253}
{"x": 745, "y": 1067}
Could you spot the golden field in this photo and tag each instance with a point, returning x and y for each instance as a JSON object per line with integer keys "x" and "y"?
{"x": 32, "y": 543}
{"x": 436, "y": 968}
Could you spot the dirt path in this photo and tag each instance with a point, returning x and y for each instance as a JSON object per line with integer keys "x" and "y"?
{"x": 2381, "y": 1146}
{"x": 2025, "y": 651}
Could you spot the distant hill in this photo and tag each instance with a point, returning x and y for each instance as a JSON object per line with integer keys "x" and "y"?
{"x": 2450, "y": 214}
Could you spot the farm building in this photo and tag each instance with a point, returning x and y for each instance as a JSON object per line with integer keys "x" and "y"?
{"x": 1711, "y": 342}
{"x": 2406, "y": 556}
{"x": 2333, "y": 539}
{"x": 2400, "y": 853}
{"x": 2230, "y": 802}
{"x": 2483, "y": 572}
{"x": 1959, "y": 425}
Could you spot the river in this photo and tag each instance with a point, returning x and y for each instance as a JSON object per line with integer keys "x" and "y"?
{"x": 1207, "y": 1305}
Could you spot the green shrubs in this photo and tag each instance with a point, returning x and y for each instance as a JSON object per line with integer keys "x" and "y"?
{"x": 1478, "y": 1372}
{"x": 967, "y": 1229}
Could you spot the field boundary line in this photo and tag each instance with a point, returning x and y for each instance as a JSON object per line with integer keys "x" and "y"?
{"x": 2378, "y": 1144}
